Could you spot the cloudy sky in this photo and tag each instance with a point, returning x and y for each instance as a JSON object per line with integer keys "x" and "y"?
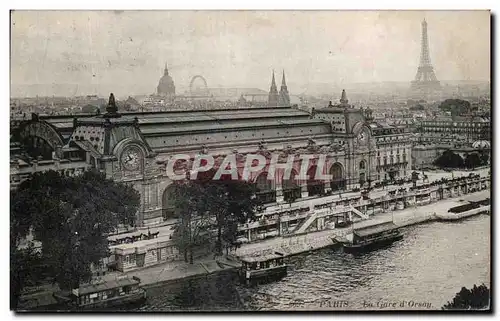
{"x": 83, "y": 52}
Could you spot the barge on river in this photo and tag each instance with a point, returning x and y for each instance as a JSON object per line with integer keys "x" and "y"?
{"x": 373, "y": 237}
{"x": 104, "y": 294}
{"x": 466, "y": 210}
{"x": 262, "y": 269}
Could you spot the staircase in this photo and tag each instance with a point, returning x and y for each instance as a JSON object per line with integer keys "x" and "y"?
{"x": 307, "y": 223}
{"x": 359, "y": 213}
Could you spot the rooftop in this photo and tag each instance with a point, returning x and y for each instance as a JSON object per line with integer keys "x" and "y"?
{"x": 261, "y": 258}
{"x": 374, "y": 229}
{"x": 106, "y": 285}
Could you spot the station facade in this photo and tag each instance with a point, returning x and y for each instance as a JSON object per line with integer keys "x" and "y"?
{"x": 135, "y": 147}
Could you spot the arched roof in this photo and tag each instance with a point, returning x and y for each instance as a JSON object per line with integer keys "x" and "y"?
{"x": 481, "y": 144}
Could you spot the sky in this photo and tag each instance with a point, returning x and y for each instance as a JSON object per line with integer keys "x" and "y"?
{"x": 97, "y": 52}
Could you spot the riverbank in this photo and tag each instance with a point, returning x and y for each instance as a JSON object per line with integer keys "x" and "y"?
{"x": 293, "y": 245}
{"x": 177, "y": 271}
{"x": 173, "y": 272}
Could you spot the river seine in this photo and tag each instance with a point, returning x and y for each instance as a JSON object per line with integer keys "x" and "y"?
{"x": 422, "y": 271}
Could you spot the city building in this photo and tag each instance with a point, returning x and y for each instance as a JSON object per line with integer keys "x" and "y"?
{"x": 452, "y": 129}
{"x": 423, "y": 156}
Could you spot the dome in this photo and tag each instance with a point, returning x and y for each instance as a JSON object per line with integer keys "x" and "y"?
{"x": 481, "y": 144}
{"x": 166, "y": 85}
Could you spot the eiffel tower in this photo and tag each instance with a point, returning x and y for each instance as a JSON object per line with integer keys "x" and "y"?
{"x": 425, "y": 80}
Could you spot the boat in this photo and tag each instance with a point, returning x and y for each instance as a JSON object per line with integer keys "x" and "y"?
{"x": 104, "y": 294}
{"x": 262, "y": 269}
{"x": 342, "y": 224}
{"x": 373, "y": 237}
{"x": 466, "y": 210}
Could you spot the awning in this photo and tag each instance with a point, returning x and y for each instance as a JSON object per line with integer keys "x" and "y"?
{"x": 108, "y": 285}
{"x": 261, "y": 258}
{"x": 375, "y": 229}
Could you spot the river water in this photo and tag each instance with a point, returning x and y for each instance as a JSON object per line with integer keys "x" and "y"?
{"x": 422, "y": 271}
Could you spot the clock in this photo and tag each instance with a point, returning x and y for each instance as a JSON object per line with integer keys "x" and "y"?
{"x": 131, "y": 158}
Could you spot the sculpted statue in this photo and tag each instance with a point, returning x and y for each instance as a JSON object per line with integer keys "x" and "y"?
{"x": 111, "y": 101}
{"x": 289, "y": 150}
{"x": 336, "y": 147}
{"x": 311, "y": 145}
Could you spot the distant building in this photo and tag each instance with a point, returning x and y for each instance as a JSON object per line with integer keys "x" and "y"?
{"x": 424, "y": 155}
{"x": 166, "y": 87}
{"x": 425, "y": 80}
{"x": 448, "y": 129}
{"x": 381, "y": 152}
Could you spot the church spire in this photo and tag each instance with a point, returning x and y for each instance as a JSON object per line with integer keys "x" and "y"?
{"x": 273, "y": 83}
{"x": 273, "y": 94}
{"x": 283, "y": 81}
{"x": 165, "y": 71}
{"x": 284, "y": 97}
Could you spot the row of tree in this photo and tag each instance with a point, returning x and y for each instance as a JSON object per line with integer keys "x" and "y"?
{"x": 449, "y": 159}
{"x": 72, "y": 216}
{"x": 477, "y": 298}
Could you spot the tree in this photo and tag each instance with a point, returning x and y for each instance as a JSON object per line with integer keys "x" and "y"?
{"x": 472, "y": 160}
{"x": 193, "y": 208}
{"x": 485, "y": 157}
{"x": 71, "y": 217}
{"x": 26, "y": 269}
{"x": 210, "y": 212}
{"x": 238, "y": 207}
{"x": 477, "y": 298}
{"x": 449, "y": 159}
{"x": 455, "y": 106}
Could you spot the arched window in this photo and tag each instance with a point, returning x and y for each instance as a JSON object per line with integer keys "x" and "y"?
{"x": 168, "y": 203}
{"x": 338, "y": 179}
{"x": 362, "y": 164}
{"x": 265, "y": 192}
{"x": 291, "y": 188}
{"x": 314, "y": 187}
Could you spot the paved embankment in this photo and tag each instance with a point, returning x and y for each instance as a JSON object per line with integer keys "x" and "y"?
{"x": 293, "y": 245}
{"x": 175, "y": 271}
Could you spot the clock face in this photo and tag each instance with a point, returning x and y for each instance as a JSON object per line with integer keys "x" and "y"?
{"x": 131, "y": 158}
